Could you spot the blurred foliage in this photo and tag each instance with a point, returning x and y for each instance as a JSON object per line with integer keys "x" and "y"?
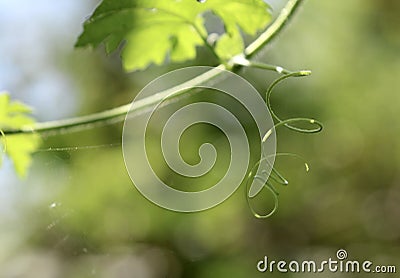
{"x": 78, "y": 215}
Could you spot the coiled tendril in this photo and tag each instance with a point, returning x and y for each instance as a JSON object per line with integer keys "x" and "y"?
{"x": 275, "y": 176}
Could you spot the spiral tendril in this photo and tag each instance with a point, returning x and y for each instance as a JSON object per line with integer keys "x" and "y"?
{"x": 275, "y": 175}
{"x": 287, "y": 123}
{"x": 266, "y": 184}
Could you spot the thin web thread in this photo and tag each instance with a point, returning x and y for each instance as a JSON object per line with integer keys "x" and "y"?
{"x": 78, "y": 148}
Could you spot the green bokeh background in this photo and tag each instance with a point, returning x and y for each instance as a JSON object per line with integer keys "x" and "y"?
{"x": 78, "y": 215}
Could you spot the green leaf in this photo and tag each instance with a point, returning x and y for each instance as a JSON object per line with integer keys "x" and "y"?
{"x": 13, "y": 115}
{"x": 229, "y": 45}
{"x": 153, "y": 30}
{"x": 20, "y": 148}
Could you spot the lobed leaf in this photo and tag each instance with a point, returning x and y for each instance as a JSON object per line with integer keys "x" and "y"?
{"x": 153, "y": 30}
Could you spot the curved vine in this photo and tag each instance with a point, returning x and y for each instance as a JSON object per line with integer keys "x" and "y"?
{"x": 118, "y": 113}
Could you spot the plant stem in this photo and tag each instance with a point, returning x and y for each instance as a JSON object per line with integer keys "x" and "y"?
{"x": 240, "y": 60}
{"x": 274, "y": 29}
{"x": 119, "y": 113}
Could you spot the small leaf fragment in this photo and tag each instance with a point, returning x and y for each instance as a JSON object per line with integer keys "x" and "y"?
{"x": 19, "y": 147}
{"x": 19, "y": 150}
